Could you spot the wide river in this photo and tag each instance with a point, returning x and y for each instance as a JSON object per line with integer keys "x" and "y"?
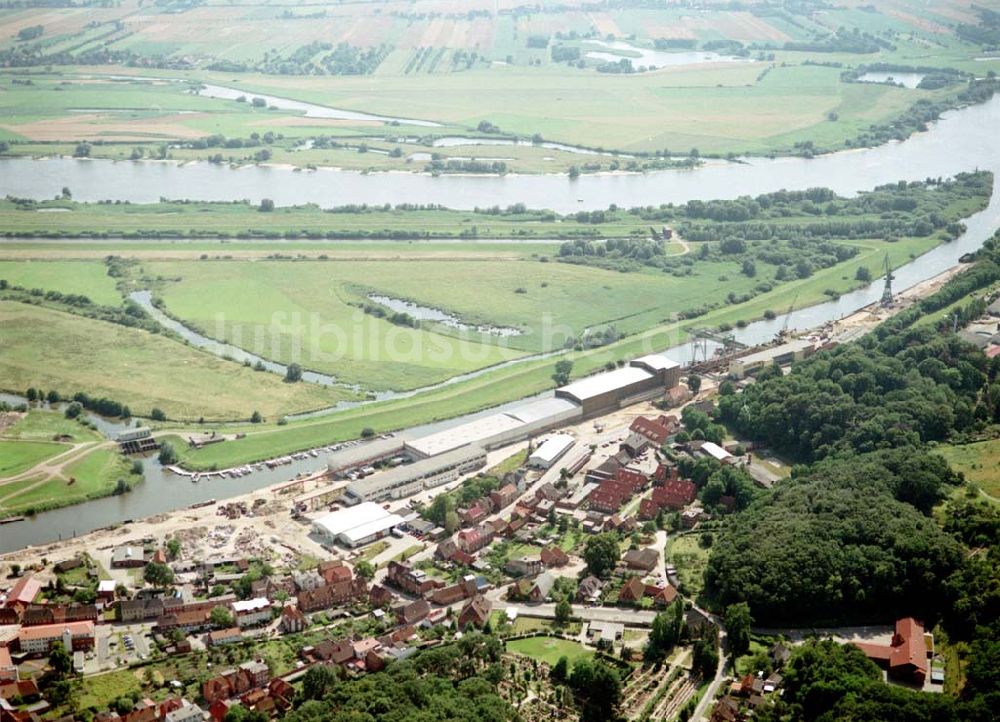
{"x": 964, "y": 140}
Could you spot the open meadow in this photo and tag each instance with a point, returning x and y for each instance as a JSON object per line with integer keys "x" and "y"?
{"x": 50, "y": 349}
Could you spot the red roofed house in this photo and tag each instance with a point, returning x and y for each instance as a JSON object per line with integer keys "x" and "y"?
{"x": 553, "y": 556}
{"x": 905, "y": 657}
{"x": 334, "y": 571}
{"x": 652, "y": 430}
{"x": 504, "y": 496}
{"x": 73, "y": 635}
{"x": 635, "y": 480}
{"x": 475, "y": 613}
{"x": 632, "y": 590}
{"x": 23, "y": 592}
{"x": 674, "y": 494}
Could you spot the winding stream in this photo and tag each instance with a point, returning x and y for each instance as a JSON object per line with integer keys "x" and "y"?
{"x": 964, "y": 140}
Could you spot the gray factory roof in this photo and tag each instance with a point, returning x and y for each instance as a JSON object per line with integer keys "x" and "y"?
{"x": 360, "y": 453}
{"x": 794, "y": 346}
{"x": 598, "y": 384}
{"x": 464, "y": 434}
{"x": 542, "y": 410}
{"x": 411, "y": 472}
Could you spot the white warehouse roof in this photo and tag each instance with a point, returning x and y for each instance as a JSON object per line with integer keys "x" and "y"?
{"x": 656, "y": 361}
{"x": 552, "y": 449}
{"x": 588, "y": 388}
{"x": 464, "y": 434}
{"x": 360, "y": 533}
{"x": 344, "y": 520}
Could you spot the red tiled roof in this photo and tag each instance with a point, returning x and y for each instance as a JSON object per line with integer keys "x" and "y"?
{"x": 24, "y": 591}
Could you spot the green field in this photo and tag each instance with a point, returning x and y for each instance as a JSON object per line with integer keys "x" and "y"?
{"x": 691, "y": 560}
{"x": 309, "y": 308}
{"x": 67, "y": 277}
{"x": 19, "y": 456}
{"x": 43, "y": 425}
{"x": 550, "y": 649}
{"x": 137, "y": 368}
{"x": 90, "y": 477}
{"x": 980, "y": 462}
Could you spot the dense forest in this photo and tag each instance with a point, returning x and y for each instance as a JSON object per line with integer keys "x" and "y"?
{"x": 870, "y": 527}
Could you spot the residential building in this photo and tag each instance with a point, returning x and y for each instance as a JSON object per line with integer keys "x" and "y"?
{"x": 504, "y": 496}
{"x": 524, "y": 566}
{"x": 475, "y": 613}
{"x": 413, "y": 612}
{"x": 553, "y": 556}
{"x": 410, "y": 580}
{"x": 541, "y": 588}
{"x": 641, "y": 559}
{"x": 331, "y": 595}
{"x": 252, "y": 612}
{"x": 589, "y": 590}
{"x": 74, "y": 636}
{"x": 905, "y": 657}
{"x": 292, "y": 620}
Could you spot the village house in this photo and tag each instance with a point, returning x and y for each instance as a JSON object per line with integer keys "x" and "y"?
{"x": 410, "y": 580}
{"x": 330, "y": 595}
{"x": 475, "y": 613}
{"x": 379, "y": 596}
{"x": 553, "y": 556}
{"x": 905, "y": 657}
{"x": 673, "y": 495}
{"x": 641, "y": 559}
{"x": 589, "y": 590}
{"x": 525, "y": 566}
{"x": 220, "y": 637}
{"x": 456, "y": 592}
{"x": 413, "y": 612}
{"x": 541, "y": 588}
{"x": 234, "y": 682}
{"x": 474, "y": 514}
{"x": 292, "y": 620}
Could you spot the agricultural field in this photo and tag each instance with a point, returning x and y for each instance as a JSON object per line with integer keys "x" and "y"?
{"x": 520, "y": 69}
{"x": 550, "y": 649}
{"x": 139, "y": 369}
